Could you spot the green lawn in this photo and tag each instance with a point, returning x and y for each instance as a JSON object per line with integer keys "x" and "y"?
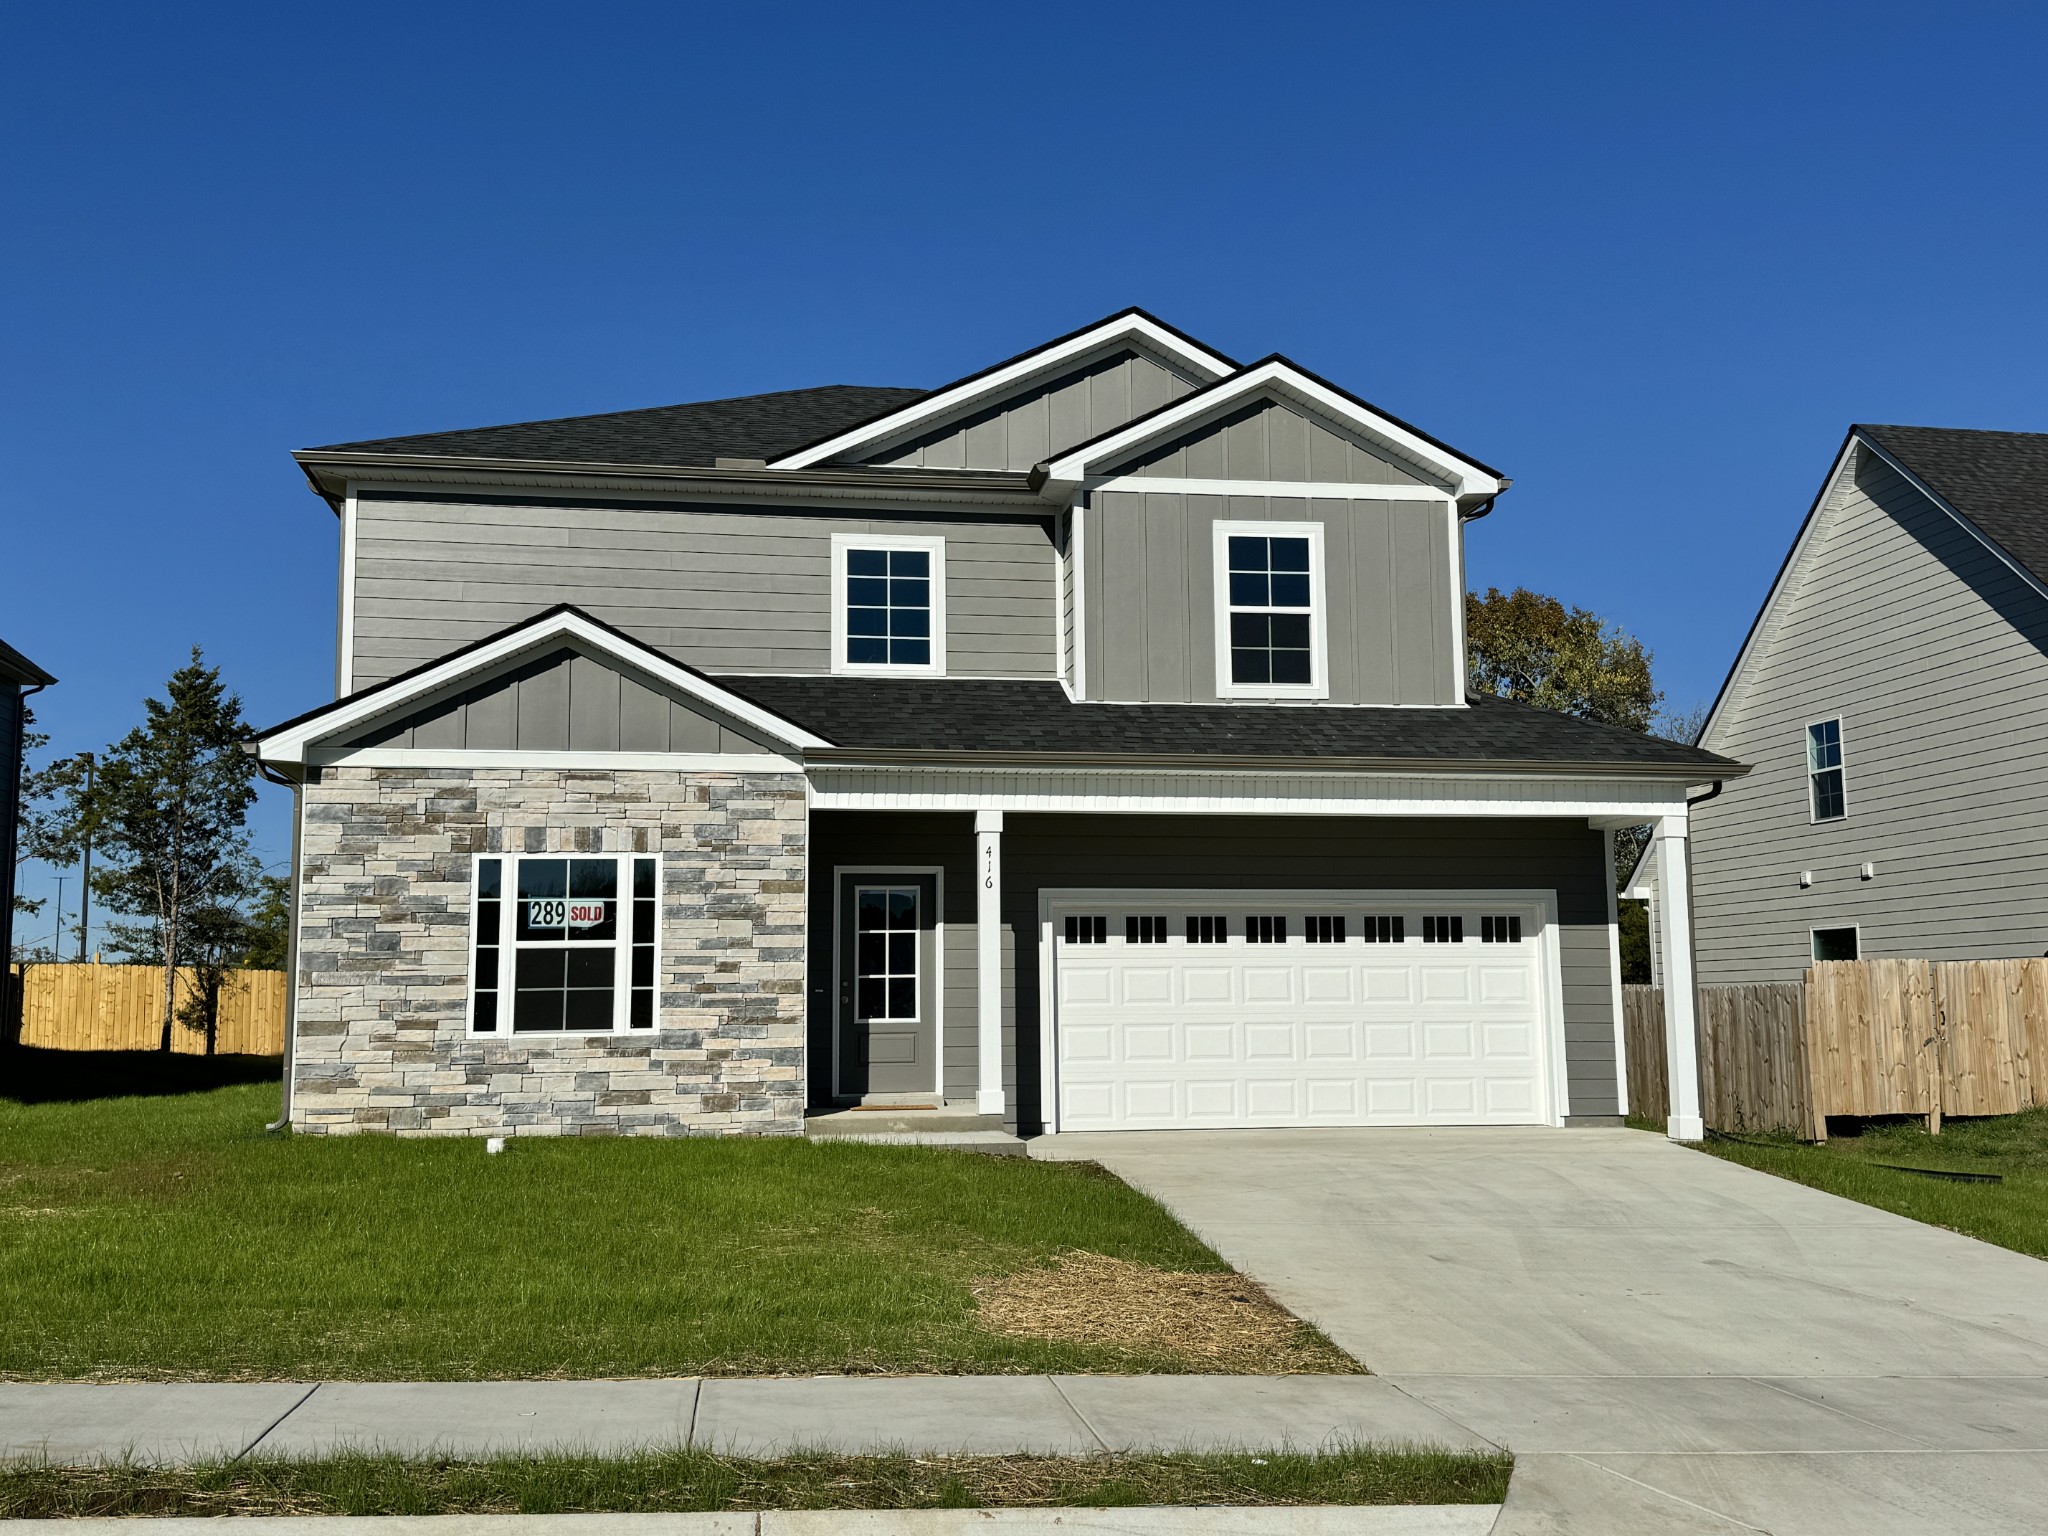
{"x": 699, "y": 1480}
{"x": 2012, "y": 1214}
{"x": 169, "y": 1237}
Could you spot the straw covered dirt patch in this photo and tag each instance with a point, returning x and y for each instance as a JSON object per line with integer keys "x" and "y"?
{"x": 1220, "y": 1323}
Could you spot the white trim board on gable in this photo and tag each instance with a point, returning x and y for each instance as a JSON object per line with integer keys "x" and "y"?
{"x": 290, "y": 743}
{"x": 986, "y": 388}
{"x": 1275, "y": 378}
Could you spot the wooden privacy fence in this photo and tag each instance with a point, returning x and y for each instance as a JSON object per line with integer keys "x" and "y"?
{"x": 1856, "y": 1037}
{"x": 120, "y": 1008}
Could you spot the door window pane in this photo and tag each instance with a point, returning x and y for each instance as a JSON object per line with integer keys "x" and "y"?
{"x": 886, "y": 935}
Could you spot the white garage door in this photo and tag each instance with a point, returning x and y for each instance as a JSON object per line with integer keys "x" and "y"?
{"x": 1183, "y": 1010}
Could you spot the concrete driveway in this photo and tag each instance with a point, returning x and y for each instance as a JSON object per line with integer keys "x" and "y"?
{"x": 1667, "y": 1341}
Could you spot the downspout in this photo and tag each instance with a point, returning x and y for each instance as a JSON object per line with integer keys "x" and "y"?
{"x": 10, "y": 784}
{"x": 291, "y": 947}
{"x": 1693, "y": 800}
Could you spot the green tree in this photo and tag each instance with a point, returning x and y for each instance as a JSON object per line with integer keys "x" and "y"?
{"x": 31, "y": 811}
{"x": 269, "y": 925}
{"x": 169, "y": 806}
{"x": 1524, "y": 646}
{"x": 1531, "y": 648}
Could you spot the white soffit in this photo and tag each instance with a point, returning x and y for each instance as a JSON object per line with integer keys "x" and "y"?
{"x": 290, "y": 742}
{"x": 1276, "y": 379}
{"x": 983, "y": 389}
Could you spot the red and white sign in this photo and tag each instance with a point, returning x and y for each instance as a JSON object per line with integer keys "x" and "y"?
{"x": 549, "y": 913}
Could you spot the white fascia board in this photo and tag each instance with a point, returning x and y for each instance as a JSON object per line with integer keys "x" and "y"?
{"x": 933, "y": 408}
{"x": 1304, "y": 490}
{"x": 1069, "y": 471}
{"x": 1239, "y": 792}
{"x": 290, "y": 744}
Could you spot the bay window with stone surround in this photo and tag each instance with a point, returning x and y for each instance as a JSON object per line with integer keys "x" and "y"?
{"x": 564, "y": 944}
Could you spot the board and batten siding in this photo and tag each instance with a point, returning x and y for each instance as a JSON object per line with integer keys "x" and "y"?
{"x": 567, "y": 700}
{"x": 1252, "y": 853}
{"x": 1150, "y": 595}
{"x": 1934, "y": 655}
{"x": 1267, "y": 440}
{"x": 725, "y": 590}
{"x": 1032, "y": 425}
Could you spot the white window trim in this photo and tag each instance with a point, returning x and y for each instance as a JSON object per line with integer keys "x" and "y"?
{"x": 622, "y": 949}
{"x": 1819, "y": 928}
{"x": 1841, "y": 724}
{"x": 936, "y": 548}
{"x": 1319, "y": 611}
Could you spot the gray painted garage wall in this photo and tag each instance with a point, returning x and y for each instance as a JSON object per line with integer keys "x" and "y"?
{"x": 724, "y": 590}
{"x": 1934, "y": 655}
{"x": 567, "y": 700}
{"x": 1267, "y": 440}
{"x": 1029, "y": 427}
{"x": 1253, "y": 853}
{"x": 1150, "y": 598}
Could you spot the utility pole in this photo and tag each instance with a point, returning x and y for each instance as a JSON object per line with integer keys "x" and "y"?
{"x": 57, "y": 933}
{"x": 85, "y": 869}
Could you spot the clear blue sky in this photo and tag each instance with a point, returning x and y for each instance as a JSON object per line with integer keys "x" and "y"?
{"x": 1649, "y": 259}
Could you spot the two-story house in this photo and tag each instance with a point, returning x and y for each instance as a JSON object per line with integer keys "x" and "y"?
{"x": 1081, "y": 745}
{"x": 1888, "y": 694}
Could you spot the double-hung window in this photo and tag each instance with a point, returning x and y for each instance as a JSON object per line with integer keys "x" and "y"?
{"x": 888, "y": 604}
{"x": 1271, "y": 624}
{"x": 564, "y": 944}
{"x": 1827, "y": 788}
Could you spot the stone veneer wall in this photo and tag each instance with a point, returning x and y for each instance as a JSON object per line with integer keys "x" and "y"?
{"x": 381, "y": 1041}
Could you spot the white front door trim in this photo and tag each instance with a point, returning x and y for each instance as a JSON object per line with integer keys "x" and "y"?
{"x": 937, "y": 874}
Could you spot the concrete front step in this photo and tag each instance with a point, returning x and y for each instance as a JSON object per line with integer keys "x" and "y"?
{"x": 943, "y": 1127}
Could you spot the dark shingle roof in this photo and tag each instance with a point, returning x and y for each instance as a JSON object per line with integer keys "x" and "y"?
{"x": 17, "y": 668}
{"x": 968, "y": 715}
{"x": 1998, "y": 480}
{"x": 685, "y": 436}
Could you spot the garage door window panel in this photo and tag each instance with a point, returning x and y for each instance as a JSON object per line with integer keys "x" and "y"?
{"x": 1266, "y": 1031}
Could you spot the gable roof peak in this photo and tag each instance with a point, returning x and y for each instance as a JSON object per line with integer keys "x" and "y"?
{"x": 985, "y": 385}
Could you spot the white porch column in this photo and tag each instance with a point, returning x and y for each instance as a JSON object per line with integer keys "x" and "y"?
{"x": 1681, "y": 1027}
{"x": 988, "y": 960}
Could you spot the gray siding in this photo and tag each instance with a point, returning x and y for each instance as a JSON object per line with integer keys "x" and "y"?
{"x": 565, "y": 701}
{"x": 1931, "y": 651}
{"x": 727, "y": 591}
{"x": 1030, "y": 426}
{"x": 1150, "y": 598}
{"x": 1169, "y": 852}
{"x": 1267, "y": 440}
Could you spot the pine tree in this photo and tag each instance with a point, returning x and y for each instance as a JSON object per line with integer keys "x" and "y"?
{"x": 169, "y": 806}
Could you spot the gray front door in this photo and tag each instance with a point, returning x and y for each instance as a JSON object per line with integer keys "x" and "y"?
{"x": 888, "y": 986}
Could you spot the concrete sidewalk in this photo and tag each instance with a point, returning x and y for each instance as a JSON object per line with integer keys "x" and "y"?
{"x": 75, "y": 1424}
{"x": 1155, "y": 1520}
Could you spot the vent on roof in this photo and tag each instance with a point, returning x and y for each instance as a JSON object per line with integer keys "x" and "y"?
{"x": 722, "y": 462}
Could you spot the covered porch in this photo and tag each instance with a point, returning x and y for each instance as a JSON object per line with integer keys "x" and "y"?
{"x": 1051, "y": 949}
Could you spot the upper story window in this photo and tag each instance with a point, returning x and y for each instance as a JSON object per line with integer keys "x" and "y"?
{"x": 888, "y": 604}
{"x": 1271, "y": 624}
{"x": 1829, "y": 792}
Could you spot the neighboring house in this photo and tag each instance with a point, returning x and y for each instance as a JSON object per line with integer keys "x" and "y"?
{"x": 1081, "y": 745}
{"x": 19, "y": 677}
{"x": 1893, "y": 697}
